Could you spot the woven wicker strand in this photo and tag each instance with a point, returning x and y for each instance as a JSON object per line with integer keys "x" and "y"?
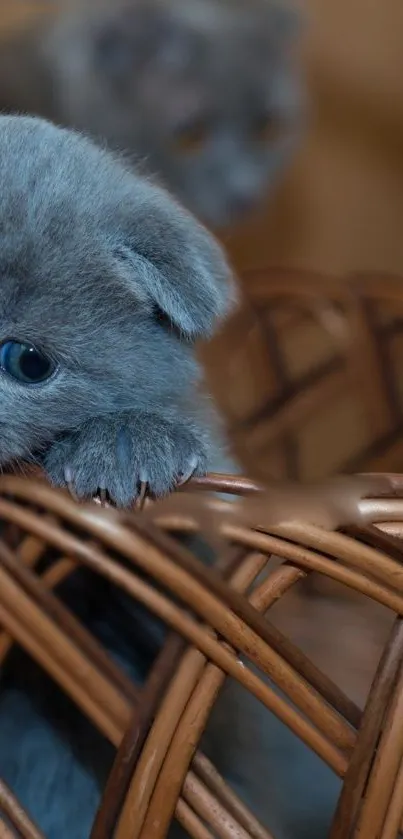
{"x": 303, "y": 350}
{"x": 14, "y": 823}
{"x": 215, "y": 616}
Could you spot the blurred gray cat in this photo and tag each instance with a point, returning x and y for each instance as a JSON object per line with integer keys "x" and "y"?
{"x": 105, "y": 284}
{"x": 203, "y": 92}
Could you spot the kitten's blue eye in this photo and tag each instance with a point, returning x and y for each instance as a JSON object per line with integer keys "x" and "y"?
{"x": 25, "y": 363}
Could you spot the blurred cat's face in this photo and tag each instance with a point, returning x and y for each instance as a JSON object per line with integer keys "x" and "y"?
{"x": 227, "y": 146}
{"x": 203, "y": 91}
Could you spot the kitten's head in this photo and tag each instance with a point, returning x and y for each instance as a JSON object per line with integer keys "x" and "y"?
{"x": 204, "y": 90}
{"x": 105, "y": 284}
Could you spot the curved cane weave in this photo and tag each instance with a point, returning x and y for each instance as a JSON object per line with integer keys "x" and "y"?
{"x": 215, "y": 615}
{"x": 309, "y": 374}
{"x": 14, "y": 823}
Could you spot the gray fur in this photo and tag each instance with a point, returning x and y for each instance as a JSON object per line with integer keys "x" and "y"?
{"x": 114, "y": 281}
{"x": 142, "y": 73}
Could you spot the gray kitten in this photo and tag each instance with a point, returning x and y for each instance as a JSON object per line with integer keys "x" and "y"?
{"x": 203, "y": 92}
{"x": 105, "y": 285}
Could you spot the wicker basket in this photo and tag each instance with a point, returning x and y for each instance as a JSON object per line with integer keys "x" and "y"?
{"x": 159, "y": 772}
{"x": 309, "y": 374}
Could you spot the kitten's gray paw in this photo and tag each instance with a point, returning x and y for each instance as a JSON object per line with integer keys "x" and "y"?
{"x": 119, "y": 453}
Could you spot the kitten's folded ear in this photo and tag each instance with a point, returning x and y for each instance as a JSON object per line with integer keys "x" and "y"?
{"x": 171, "y": 263}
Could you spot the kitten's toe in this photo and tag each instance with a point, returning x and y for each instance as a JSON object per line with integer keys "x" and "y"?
{"x": 167, "y": 479}
{"x": 183, "y": 455}
{"x": 88, "y": 466}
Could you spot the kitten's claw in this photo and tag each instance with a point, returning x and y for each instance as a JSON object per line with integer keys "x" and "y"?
{"x": 186, "y": 476}
{"x": 68, "y": 477}
{"x": 102, "y": 497}
{"x": 140, "y": 500}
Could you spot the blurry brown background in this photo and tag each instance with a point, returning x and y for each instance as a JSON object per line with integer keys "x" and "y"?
{"x": 341, "y": 206}
{"x": 339, "y": 209}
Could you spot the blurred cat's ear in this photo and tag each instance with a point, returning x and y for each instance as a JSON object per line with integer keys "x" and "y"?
{"x": 148, "y": 48}
{"x": 172, "y": 264}
{"x": 139, "y": 35}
